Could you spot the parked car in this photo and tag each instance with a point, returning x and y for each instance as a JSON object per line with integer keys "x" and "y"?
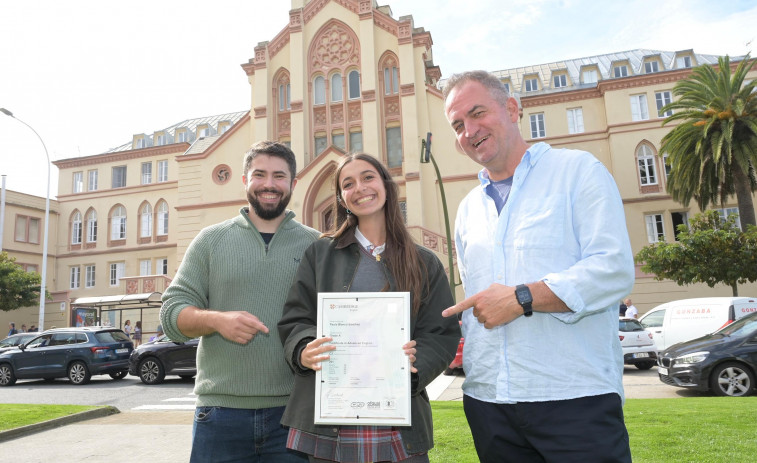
{"x": 724, "y": 362}
{"x": 457, "y": 363}
{"x": 686, "y": 319}
{"x": 76, "y": 353}
{"x": 637, "y": 343}
{"x": 154, "y": 360}
{"x": 15, "y": 339}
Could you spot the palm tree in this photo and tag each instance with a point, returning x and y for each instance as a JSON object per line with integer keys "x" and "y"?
{"x": 713, "y": 151}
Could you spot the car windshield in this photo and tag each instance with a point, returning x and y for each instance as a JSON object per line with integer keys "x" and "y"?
{"x": 744, "y": 327}
{"x": 112, "y": 336}
{"x": 630, "y": 325}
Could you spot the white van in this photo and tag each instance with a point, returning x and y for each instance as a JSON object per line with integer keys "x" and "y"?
{"x": 687, "y": 319}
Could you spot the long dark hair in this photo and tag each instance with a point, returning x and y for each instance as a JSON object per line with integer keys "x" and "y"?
{"x": 408, "y": 269}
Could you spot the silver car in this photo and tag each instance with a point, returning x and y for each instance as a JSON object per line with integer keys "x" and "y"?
{"x": 637, "y": 343}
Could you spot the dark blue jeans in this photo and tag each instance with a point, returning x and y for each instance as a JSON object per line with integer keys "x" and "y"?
{"x": 239, "y": 435}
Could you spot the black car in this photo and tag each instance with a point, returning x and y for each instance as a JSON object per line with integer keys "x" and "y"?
{"x": 154, "y": 360}
{"x": 724, "y": 362}
{"x": 76, "y": 353}
{"x": 15, "y": 339}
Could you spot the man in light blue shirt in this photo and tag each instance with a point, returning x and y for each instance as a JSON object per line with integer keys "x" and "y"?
{"x": 543, "y": 264}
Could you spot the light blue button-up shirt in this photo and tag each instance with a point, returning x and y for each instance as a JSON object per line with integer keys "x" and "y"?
{"x": 563, "y": 224}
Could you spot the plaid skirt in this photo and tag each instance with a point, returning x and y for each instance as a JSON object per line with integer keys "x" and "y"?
{"x": 353, "y": 444}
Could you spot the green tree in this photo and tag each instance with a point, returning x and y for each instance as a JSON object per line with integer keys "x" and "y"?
{"x": 711, "y": 251}
{"x": 713, "y": 151}
{"x": 18, "y": 288}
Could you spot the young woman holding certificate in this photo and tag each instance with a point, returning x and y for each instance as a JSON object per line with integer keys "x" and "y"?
{"x": 367, "y": 249}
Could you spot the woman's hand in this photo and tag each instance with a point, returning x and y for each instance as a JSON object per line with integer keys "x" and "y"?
{"x": 315, "y": 352}
{"x": 410, "y": 351}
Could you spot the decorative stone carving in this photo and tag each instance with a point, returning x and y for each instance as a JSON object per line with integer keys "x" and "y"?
{"x": 221, "y": 174}
{"x": 320, "y": 116}
{"x": 337, "y": 115}
{"x": 335, "y": 47}
{"x": 355, "y": 112}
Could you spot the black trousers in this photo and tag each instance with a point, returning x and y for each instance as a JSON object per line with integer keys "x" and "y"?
{"x": 583, "y": 430}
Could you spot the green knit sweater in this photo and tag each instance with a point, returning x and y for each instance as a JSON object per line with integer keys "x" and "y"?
{"x": 227, "y": 268}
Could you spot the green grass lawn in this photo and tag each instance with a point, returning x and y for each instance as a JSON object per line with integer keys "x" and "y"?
{"x": 694, "y": 429}
{"x": 17, "y": 415}
{"x": 701, "y": 429}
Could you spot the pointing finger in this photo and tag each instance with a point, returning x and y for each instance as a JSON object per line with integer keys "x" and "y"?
{"x": 459, "y": 307}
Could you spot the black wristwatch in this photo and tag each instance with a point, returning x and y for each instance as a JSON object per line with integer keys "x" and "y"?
{"x": 523, "y": 295}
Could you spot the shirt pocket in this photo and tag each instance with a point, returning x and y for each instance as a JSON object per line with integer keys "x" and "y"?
{"x": 539, "y": 223}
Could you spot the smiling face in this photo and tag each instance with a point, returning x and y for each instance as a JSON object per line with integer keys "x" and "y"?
{"x": 362, "y": 189}
{"x": 269, "y": 186}
{"x": 485, "y": 130}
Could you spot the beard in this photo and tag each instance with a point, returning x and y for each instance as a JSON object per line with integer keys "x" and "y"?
{"x": 268, "y": 211}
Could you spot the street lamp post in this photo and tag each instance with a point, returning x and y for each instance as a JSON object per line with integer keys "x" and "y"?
{"x": 426, "y": 156}
{"x": 42, "y": 289}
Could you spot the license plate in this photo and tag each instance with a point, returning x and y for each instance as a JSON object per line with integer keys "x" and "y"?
{"x": 640, "y": 355}
{"x": 122, "y": 351}
{"x": 662, "y": 371}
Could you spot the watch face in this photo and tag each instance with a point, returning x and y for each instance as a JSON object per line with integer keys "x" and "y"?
{"x": 523, "y": 295}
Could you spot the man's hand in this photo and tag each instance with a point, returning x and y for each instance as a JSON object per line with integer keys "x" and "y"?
{"x": 494, "y": 306}
{"x": 239, "y": 327}
{"x": 315, "y": 352}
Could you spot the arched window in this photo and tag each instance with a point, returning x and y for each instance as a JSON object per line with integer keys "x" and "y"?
{"x": 118, "y": 224}
{"x": 76, "y": 228}
{"x": 336, "y": 87}
{"x": 145, "y": 221}
{"x": 353, "y": 84}
{"x": 319, "y": 90}
{"x": 647, "y": 169}
{"x": 92, "y": 226}
{"x": 285, "y": 97}
{"x": 391, "y": 80}
{"x": 162, "y": 210}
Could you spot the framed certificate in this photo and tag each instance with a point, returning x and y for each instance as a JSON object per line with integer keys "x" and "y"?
{"x": 366, "y": 380}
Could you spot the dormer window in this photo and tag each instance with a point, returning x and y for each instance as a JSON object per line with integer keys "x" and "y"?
{"x": 531, "y": 84}
{"x": 140, "y": 143}
{"x": 683, "y": 62}
{"x": 204, "y": 132}
{"x": 560, "y": 80}
{"x": 589, "y": 76}
{"x": 620, "y": 71}
{"x": 651, "y": 66}
{"x": 181, "y": 137}
{"x": 507, "y": 85}
{"x": 160, "y": 140}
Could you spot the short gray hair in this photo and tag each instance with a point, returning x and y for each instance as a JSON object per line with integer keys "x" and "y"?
{"x": 496, "y": 88}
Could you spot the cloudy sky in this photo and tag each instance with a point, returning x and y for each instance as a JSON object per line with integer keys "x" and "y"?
{"x": 87, "y": 75}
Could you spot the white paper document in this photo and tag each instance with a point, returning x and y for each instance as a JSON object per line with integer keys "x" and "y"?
{"x": 366, "y": 381}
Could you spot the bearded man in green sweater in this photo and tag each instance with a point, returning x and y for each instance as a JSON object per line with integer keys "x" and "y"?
{"x": 230, "y": 290}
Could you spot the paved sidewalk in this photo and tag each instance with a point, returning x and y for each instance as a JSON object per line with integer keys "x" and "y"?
{"x": 165, "y": 436}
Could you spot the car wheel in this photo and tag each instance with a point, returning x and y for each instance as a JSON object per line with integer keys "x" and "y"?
{"x": 78, "y": 373}
{"x": 119, "y": 375}
{"x": 732, "y": 379}
{"x": 151, "y": 371}
{"x": 7, "y": 378}
{"x": 644, "y": 365}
